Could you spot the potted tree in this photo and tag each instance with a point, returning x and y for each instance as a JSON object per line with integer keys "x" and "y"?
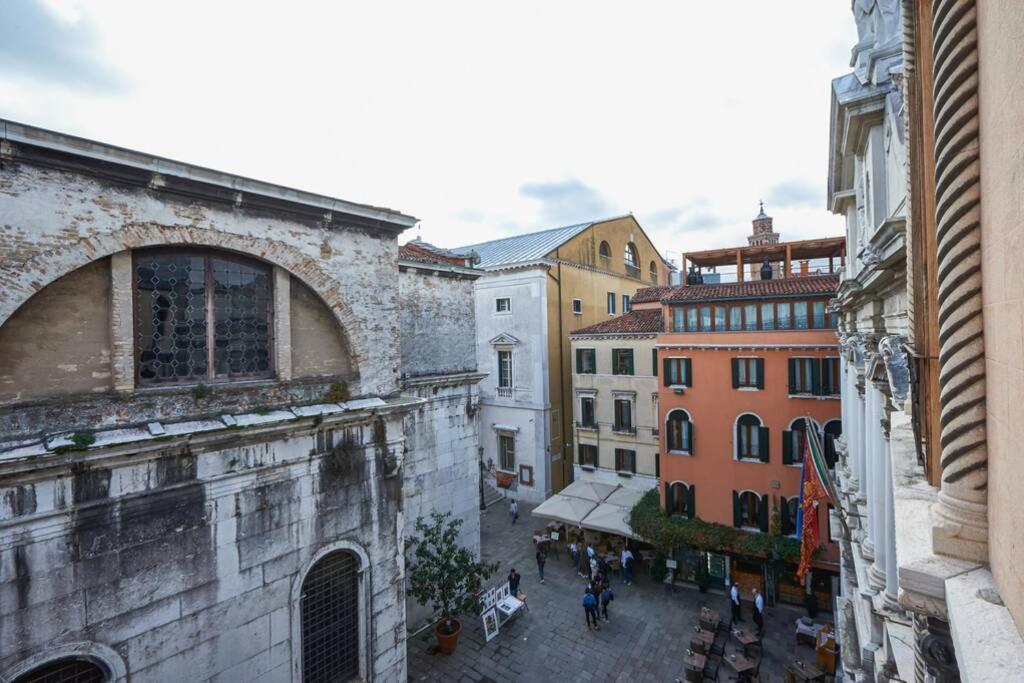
{"x": 446, "y": 576}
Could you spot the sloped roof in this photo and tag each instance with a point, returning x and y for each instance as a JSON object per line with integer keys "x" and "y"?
{"x": 794, "y": 286}
{"x": 644, "y": 321}
{"x": 524, "y": 248}
{"x": 428, "y": 253}
{"x": 649, "y": 294}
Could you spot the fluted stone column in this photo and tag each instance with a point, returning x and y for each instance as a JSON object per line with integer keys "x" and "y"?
{"x": 850, "y": 434}
{"x": 892, "y": 583}
{"x": 859, "y": 418}
{"x": 876, "y": 512}
{"x": 868, "y": 488}
{"x": 961, "y": 519}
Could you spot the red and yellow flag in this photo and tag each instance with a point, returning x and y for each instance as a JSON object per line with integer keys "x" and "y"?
{"x": 812, "y": 491}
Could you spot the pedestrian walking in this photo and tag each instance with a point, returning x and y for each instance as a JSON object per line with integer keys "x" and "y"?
{"x": 574, "y": 555}
{"x": 590, "y": 608}
{"x": 513, "y": 582}
{"x": 590, "y": 552}
{"x": 541, "y": 559}
{"x": 759, "y": 612}
{"x": 513, "y": 510}
{"x": 593, "y": 567}
{"x": 606, "y": 597}
{"x": 734, "y": 602}
{"x": 627, "y": 566}
{"x": 604, "y": 569}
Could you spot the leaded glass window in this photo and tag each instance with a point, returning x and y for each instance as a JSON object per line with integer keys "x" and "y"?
{"x": 201, "y": 316}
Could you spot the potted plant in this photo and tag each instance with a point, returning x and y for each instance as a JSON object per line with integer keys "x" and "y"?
{"x": 445, "y": 576}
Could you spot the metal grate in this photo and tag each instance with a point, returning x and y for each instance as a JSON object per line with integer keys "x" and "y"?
{"x": 65, "y": 671}
{"x": 200, "y": 316}
{"x": 330, "y": 620}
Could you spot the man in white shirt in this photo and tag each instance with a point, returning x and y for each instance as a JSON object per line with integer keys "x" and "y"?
{"x": 734, "y": 602}
{"x": 590, "y": 552}
{"x": 759, "y": 611}
{"x": 513, "y": 510}
{"x": 627, "y": 566}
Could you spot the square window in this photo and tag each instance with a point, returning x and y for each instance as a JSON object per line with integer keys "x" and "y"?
{"x": 586, "y": 361}
{"x": 503, "y": 305}
{"x": 622, "y": 361}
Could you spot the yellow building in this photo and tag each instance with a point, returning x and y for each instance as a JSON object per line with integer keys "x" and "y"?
{"x": 539, "y": 288}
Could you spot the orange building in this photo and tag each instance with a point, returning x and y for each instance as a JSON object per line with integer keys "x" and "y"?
{"x": 741, "y": 364}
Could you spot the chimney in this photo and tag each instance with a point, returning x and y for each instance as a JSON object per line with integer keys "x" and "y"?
{"x": 805, "y": 268}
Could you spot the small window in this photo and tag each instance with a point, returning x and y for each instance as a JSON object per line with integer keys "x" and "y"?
{"x": 800, "y": 320}
{"x": 804, "y": 376}
{"x": 623, "y": 415}
{"x": 678, "y": 318}
{"x": 507, "y": 452}
{"x": 587, "y": 416}
{"x": 503, "y": 305}
{"x": 749, "y": 513}
{"x": 605, "y": 251}
{"x": 587, "y": 455}
{"x": 819, "y": 314}
{"x": 625, "y": 303}
{"x": 784, "y": 320}
{"x": 735, "y": 317}
{"x": 830, "y": 376}
{"x": 625, "y": 460}
{"x": 767, "y": 316}
{"x": 691, "y": 320}
{"x": 611, "y": 303}
{"x": 679, "y": 433}
{"x": 654, "y": 272}
{"x": 586, "y": 361}
{"x": 794, "y": 443}
{"x": 751, "y": 439}
{"x": 677, "y": 372}
{"x": 577, "y": 306}
{"x": 720, "y": 312}
{"x": 631, "y": 260}
{"x": 789, "y": 510}
{"x": 505, "y": 369}
{"x": 748, "y": 373}
{"x": 679, "y": 500}
{"x": 622, "y": 361}
{"x": 750, "y": 317}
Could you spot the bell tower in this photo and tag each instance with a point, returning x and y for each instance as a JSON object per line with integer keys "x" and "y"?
{"x": 763, "y": 233}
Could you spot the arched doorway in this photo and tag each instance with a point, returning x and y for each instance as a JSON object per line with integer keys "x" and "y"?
{"x": 329, "y": 609}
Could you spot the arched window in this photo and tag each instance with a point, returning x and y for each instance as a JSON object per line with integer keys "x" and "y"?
{"x": 679, "y": 500}
{"x": 679, "y": 432}
{"x": 794, "y": 445}
{"x": 789, "y": 509}
{"x": 631, "y": 259}
{"x": 751, "y": 438}
{"x": 605, "y": 251}
{"x": 201, "y": 315}
{"x": 654, "y": 272}
{"x": 67, "y": 670}
{"x": 833, "y": 430}
{"x": 329, "y": 612}
{"x": 749, "y": 510}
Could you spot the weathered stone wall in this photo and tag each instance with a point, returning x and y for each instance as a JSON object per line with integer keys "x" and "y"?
{"x": 438, "y": 330}
{"x": 318, "y": 345}
{"x": 58, "y": 343}
{"x": 184, "y": 556}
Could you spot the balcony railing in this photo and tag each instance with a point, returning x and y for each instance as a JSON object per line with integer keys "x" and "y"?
{"x": 586, "y": 425}
{"x": 624, "y": 429}
{"x": 504, "y": 392}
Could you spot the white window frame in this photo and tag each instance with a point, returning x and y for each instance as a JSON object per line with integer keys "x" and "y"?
{"x": 497, "y": 305}
{"x": 625, "y": 303}
{"x": 760, "y": 500}
{"x": 747, "y": 387}
{"x": 511, "y": 369}
{"x": 631, "y": 399}
{"x": 611, "y": 303}
{"x": 686, "y": 382}
{"x": 736, "y": 441}
{"x": 591, "y": 397}
{"x": 577, "y": 306}
{"x": 501, "y": 434}
{"x": 668, "y": 416}
{"x": 810, "y": 375}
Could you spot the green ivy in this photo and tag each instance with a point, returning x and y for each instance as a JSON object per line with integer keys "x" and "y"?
{"x": 665, "y": 533}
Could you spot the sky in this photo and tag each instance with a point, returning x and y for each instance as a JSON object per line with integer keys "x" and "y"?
{"x": 482, "y": 119}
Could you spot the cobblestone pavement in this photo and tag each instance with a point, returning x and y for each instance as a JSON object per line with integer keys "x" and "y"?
{"x": 644, "y": 640}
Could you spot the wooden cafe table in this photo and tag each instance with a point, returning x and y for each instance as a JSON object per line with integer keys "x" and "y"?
{"x": 804, "y": 671}
{"x": 739, "y": 662}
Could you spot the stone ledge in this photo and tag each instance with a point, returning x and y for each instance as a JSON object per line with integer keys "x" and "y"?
{"x": 988, "y": 645}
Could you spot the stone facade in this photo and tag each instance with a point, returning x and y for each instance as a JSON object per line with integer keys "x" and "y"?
{"x": 167, "y": 532}
{"x": 441, "y": 471}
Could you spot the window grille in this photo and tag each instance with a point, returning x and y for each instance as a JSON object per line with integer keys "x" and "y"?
{"x": 200, "y": 316}
{"x": 330, "y": 620}
{"x": 65, "y": 671}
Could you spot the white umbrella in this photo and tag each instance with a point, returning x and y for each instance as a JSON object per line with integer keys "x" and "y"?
{"x": 610, "y": 519}
{"x": 564, "y": 509}
{"x": 589, "y": 490}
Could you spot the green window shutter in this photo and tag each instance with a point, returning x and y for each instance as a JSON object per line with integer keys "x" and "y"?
{"x": 657, "y": 464}
{"x": 689, "y": 438}
{"x": 792, "y": 376}
{"x": 760, "y": 372}
{"x": 691, "y": 507}
{"x": 579, "y": 361}
{"x": 654, "y": 362}
{"x": 615, "y": 361}
{"x": 737, "y": 521}
{"x": 632, "y": 465}
{"x": 629, "y": 362}
{"x": 688, "y": 372}
{"x": 787, "y": 447}
{"x": 816, "y": 378}
{"x": 763, "y": 443}
{"x": 668, "y": 498}
{"x": 667, "y": 364}
{"x": 784, "y": 516}
{"x": 735, "y": 373}
{"x": 762, "y": 511}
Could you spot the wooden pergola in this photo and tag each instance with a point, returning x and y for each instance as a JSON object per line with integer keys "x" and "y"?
{"x": 825, "y": 247}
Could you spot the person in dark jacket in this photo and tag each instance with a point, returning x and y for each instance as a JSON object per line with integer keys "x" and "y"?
{"x": 513, "y": 582}
{"x": 541, "y": 559}
{"x": 590, "y": 608}
{"x": 606, "y": 597}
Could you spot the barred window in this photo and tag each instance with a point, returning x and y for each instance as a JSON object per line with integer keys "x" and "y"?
{"x": 201, "y": 316}
{"x": 65, "y": 671}
{"x": 330, "y": 619}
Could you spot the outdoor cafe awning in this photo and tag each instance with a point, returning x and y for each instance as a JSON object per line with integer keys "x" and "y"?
{"x": 592, "y": 505}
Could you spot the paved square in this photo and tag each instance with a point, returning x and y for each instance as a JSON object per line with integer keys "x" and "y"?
{"x": 645, "y": 639}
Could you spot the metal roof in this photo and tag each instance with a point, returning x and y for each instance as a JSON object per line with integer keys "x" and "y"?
{"x": 524, "y": 248}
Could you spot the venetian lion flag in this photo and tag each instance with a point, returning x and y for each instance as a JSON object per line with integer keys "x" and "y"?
{"x": 815, "y": 485}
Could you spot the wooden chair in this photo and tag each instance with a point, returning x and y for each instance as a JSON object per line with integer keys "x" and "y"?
{"x": 711, "y": 666}
{"x": 697, "y": 646}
